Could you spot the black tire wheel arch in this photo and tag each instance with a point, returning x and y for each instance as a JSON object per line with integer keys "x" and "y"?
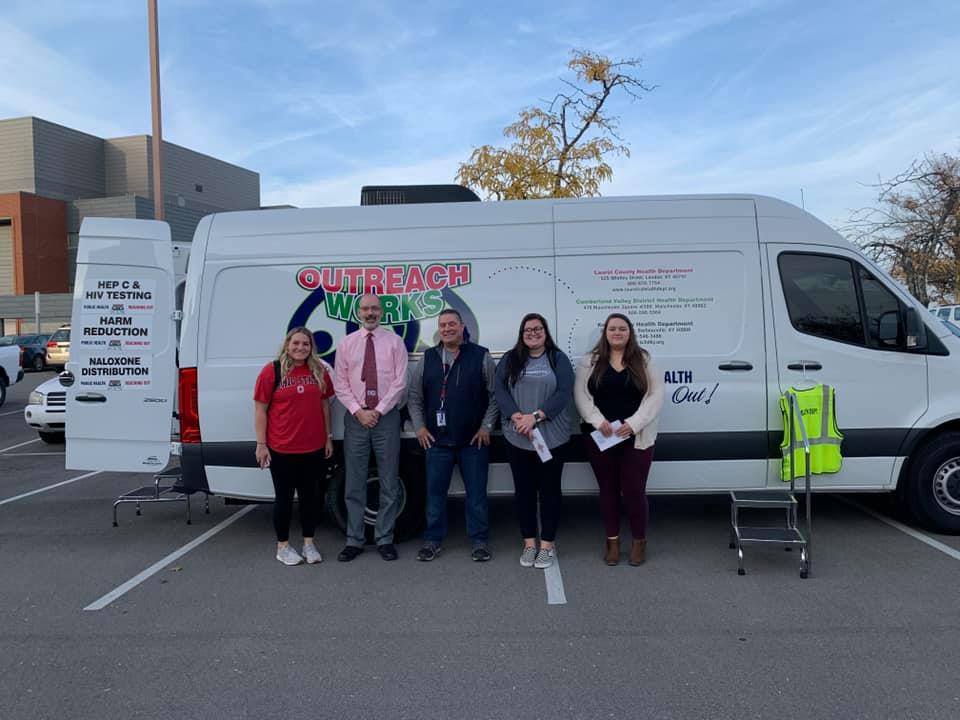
{"x": 932, "y": 491}
{"x": 410, "y": 519}
{"x": 53, "y": 438}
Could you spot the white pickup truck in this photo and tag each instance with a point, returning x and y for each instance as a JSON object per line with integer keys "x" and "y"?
{"x": 10, "y": 370}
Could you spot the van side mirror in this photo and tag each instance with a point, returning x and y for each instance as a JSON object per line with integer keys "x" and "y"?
{"x": 916, "y": 330}
{"x": 888, "y": 328}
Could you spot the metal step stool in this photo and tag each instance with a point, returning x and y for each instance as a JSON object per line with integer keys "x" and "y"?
{"x": 170, "y": 491}
{"x": 789, "y": 534}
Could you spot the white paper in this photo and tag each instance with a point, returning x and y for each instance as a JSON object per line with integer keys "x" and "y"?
{"x": 540, "y": 445}
{"x": 605, "y": 443}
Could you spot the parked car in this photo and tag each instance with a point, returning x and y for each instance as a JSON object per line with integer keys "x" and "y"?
{"x": 947, "y": 312}
{"x": 10, "y": 370}
{"x": 951, "y": 327}
{"x": 46, "y": 411}
{"x": 33, "y": 350}
{"x": 58, "y": 348}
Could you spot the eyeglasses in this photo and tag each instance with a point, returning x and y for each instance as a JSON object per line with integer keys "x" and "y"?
{"x": 533, "y": 330}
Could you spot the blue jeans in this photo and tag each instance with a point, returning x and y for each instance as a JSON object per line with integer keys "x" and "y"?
{"x": 473, "y": 463}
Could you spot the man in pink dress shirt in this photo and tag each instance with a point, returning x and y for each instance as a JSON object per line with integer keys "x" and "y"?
{"x": 370, "y": 379}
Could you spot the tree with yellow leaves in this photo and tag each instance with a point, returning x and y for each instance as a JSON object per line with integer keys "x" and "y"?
{"x": 561, "y": 148}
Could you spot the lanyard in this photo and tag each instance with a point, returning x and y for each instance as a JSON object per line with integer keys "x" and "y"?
{"x": 446, "y": 373}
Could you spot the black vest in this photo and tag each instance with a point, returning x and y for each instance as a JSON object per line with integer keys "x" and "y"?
{"x": 466, "y": 397}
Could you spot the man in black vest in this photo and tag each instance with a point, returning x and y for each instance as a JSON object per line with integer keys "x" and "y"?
{"x": 451, "y": 402}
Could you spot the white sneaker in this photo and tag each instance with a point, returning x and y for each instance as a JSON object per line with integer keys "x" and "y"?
{"x": 311, "y": 554}
{"x": 288, "y": 556}
{"x": 545, "y": 558}
{"x": 527, "y": 556}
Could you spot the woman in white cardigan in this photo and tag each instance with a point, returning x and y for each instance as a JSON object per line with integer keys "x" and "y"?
{"x": 617, "y": 382}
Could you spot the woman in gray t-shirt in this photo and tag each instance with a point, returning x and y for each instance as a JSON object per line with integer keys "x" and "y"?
{"x": 534, "y": 390}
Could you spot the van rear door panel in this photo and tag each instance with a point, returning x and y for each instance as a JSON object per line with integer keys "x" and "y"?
{"x": 123, "y": 348}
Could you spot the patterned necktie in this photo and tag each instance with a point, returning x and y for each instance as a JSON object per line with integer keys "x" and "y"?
{"x": 369, "y": 374}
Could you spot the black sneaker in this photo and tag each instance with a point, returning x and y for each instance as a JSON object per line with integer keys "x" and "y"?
{"x": 481, "y": 554}
{"x": 387, "y": 551}
{"x": 428, "y": 552}
{"x": 349, "y": 553}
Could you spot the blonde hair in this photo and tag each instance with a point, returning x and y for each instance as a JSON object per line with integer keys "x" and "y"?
{"x": 315, "y": 364}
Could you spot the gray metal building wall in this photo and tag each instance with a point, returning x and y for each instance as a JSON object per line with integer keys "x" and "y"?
{"x": 127, "y": 165}
{"x": 201, "y": 182}
{"x": 16, "y": 150}
{"x": 68, "y": 164}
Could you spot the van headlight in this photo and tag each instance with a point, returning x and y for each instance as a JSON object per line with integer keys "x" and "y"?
{"x": 35, "y": 398}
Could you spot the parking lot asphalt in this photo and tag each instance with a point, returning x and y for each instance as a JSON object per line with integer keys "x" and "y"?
{"x": 225, "y": 630}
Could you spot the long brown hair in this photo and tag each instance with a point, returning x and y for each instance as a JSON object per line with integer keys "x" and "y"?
{"x": 635, "y": 358}
{"x": 313, "y": 362}
{"x": 518, "y": 356}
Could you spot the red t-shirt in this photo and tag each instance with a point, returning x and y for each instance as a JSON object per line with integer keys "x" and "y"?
{"x": 294, "y": 416}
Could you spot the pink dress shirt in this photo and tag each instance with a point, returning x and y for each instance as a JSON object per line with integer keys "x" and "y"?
{"x": 391, "y": 369}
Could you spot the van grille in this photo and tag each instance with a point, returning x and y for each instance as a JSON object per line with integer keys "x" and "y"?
{"x": 56, "y": 399}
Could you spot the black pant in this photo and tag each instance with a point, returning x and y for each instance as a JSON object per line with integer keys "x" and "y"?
{"x": 533, "y": 479}
{"x": 305, "y": 473}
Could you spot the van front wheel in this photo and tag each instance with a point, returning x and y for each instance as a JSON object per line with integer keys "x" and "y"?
{"x": 411, "y": 500}
{"x": 933, "y": 490}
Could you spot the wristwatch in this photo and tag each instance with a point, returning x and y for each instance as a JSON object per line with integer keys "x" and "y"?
{"x": 538, "y": 416}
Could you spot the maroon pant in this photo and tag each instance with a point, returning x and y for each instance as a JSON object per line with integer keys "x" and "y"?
{"x": 622, "y": 469}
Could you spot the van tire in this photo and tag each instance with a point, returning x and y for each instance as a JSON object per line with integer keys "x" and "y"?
{"x": 52, "y": 438}
{"x": 3, "y": 388}
{"x": 410, "y": 519}
{"x": 932, "y": 493}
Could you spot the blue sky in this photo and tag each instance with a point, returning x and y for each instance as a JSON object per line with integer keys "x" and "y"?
{"x": 764, "y": 96}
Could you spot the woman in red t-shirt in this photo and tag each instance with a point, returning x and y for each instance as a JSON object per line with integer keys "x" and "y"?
{"x": 292, "y": 419}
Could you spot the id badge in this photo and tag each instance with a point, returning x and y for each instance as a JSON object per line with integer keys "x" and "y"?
{"x": 441, "y": 418}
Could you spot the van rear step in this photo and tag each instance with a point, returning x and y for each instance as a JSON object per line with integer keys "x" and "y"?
{"x": 166, "y": 487}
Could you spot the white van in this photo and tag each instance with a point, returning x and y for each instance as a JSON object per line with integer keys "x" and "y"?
{"x": 737, "y": 297}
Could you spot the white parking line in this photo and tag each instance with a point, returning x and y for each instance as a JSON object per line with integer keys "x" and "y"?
{"x": 32, "y": 454}
{"x": 160, "y": 564}
{"x": 49, "y": 487}
{"x": 12, "y": 412}
{"x": 554, "y": 581}
{"x": 936, "y": 544}
{"x": 14, "y": 447}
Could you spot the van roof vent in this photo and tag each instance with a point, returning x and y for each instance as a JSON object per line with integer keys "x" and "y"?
{"x": 411, "y": 194}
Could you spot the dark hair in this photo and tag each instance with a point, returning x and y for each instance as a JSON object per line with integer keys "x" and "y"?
{"x": 634, "y": 357}
{"x": 451, "y": 311}
{"x": 518, "y": 356}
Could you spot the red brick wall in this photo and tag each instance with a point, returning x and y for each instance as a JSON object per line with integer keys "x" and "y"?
{"x": 39, "y": 242}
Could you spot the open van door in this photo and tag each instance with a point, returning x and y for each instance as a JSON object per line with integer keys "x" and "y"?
{"x": 121, "y": 375}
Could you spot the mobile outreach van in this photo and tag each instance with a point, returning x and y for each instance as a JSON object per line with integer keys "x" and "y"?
{"x": 737, "y": 298}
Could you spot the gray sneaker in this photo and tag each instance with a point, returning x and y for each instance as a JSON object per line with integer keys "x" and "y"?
{"x": 545, "y": 558}
{"x": 311, "y": 554}
{"x": 527, "y": 557}
{"x": 428, "y": 552}
{"x": 288, "y": 556}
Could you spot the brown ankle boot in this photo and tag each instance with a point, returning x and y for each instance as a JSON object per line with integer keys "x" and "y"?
{"x": 612, "y": 555}
{"x": 638, "y": 552}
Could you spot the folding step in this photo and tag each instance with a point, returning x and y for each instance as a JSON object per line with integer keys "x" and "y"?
{"x": 763, "y": 498}
{"x": 777, "y": 535}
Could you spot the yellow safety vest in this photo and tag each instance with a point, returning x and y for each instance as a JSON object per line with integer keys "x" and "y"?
{"x": 818, "y": 413}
